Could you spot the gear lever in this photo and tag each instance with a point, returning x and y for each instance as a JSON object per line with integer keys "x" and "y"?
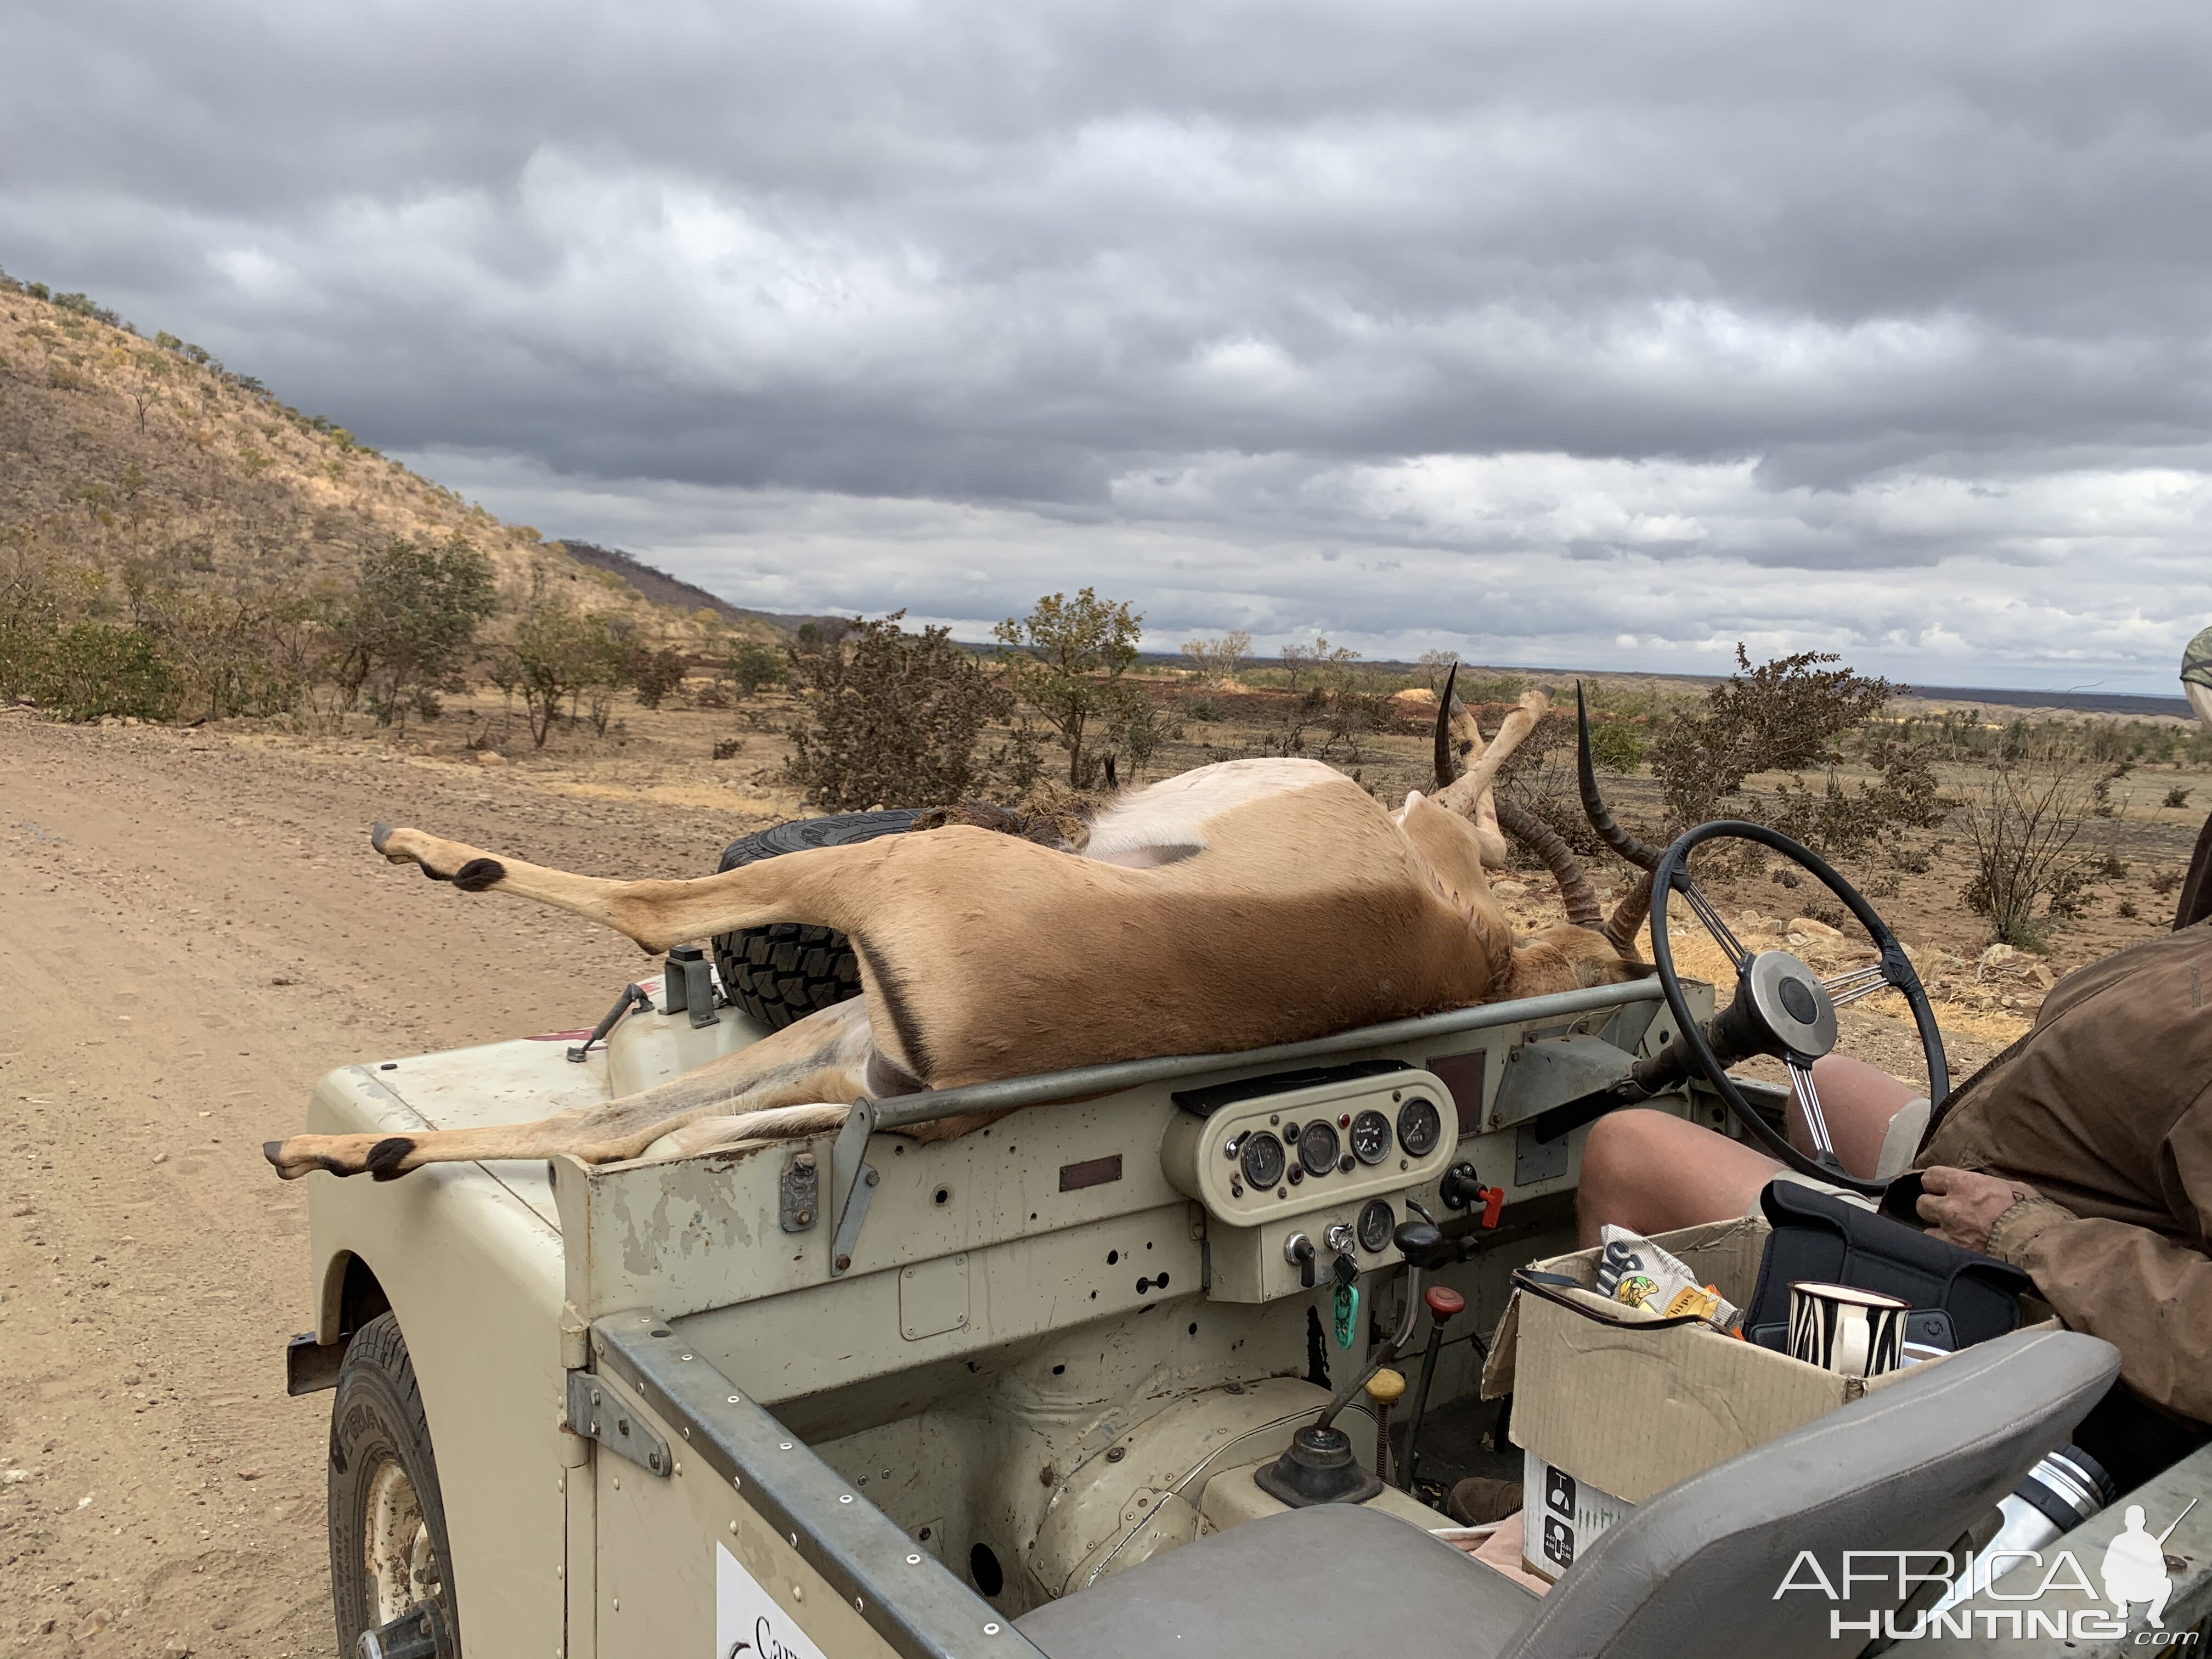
{"x": 1318, "y": 1467}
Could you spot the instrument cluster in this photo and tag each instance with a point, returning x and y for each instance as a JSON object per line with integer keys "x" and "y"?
{"x": 1362, "y": 1133}
{"x": 1288, "y": 1151}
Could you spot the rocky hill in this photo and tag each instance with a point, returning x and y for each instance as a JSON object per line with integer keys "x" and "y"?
{"x": 659, "y": 586}
{"x": 147, "y": 461}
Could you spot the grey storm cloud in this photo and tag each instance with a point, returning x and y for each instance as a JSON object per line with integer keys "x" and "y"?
{"x": 1597, "y": 333}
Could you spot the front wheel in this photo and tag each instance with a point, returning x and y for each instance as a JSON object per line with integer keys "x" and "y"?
{"x": 387, "y": 1519}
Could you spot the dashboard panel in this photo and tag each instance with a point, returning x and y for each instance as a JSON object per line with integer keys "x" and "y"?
{"x": 1297, "y": 1169}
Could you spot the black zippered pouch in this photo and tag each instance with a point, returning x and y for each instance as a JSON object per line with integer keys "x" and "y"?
{"x": 1817, "y": 1236}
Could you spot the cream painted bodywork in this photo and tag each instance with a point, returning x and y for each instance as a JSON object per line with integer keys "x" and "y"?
{"x": 1012, "y": 1360}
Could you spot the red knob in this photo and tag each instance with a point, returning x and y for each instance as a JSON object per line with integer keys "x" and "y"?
{"x": 1444, "y": 1301}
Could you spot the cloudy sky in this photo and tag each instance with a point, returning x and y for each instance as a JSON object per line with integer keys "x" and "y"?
{"x": 1560, "y": 333}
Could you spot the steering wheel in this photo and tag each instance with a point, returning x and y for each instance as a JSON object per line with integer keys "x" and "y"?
{"x": 1782, "y": 1007}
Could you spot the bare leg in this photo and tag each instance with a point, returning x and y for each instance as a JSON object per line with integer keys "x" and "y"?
{"x": 821, "y": 1058}
{"x": 1859, "y": 1101}
{"x": 1652, "y": 1172}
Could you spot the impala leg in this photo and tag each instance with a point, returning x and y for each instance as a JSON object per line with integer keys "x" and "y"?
{"x": 1470, "y": 795}
{"x": 821, "y": 1058}
{"x": 655, "y": 914}
{"x": 1466, "y": 738}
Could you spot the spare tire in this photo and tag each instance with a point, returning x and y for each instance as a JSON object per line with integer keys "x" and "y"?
{"x": 788, "y": 970}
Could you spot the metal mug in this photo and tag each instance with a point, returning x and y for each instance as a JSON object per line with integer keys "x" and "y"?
{"x": 1842, "y": 1328}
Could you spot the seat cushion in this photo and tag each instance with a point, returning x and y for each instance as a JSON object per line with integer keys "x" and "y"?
{"x": 1336, "y": 1578}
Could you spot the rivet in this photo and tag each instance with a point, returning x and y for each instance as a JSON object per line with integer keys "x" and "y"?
{"x": 735, "y": 1399}
{"x": 914, "y": 1560}
{"x": 737, "y": 1481}
{"x": 783, "y": 1445}
{"x": 798, "y": 1592}
{"x": 991, "y": 1628}
{"x": 733, "y": 1526}
{"x": 619, "y": 1483}
{"x": 845, "y": 1497}
{"x": 618, "y": 1604}
{"x": 856, "y": 1604}
{"x": 679, "y": 1466}
{"x": 687, "y": 1431}
{"x": 683, "y": 1356}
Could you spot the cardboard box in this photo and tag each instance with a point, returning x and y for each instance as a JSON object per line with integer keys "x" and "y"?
{"x": 1632, "y": 1412}
{"x": 1561, "y": 1516}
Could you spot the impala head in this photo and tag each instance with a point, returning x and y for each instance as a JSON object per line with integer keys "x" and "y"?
{"x": 1589, "y": 948}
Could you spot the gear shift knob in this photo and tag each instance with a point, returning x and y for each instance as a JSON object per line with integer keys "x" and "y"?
{"x": 1444, "y": 1303}
{"x": 1421, "y": 1244}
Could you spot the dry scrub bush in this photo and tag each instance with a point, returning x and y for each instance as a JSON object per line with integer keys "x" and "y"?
{"x": 1337, "y": 703}
{"x": 654, "y": 675}
{"x": 2025, "y": 820}
{"x": 1215, "y": 662}
{"x": 1793, "y": 714}
{"x": 1067, "y": 661}
{"x": 559, "y": 655}
{"x": 889, "y": 718}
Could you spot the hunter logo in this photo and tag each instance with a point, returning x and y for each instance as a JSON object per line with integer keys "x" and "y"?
{"x": 2053, "y": 1597}
{"x": 2135, "y": 1566}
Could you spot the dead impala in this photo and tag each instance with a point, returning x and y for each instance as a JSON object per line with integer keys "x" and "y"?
{"x": 1243, "y": 904}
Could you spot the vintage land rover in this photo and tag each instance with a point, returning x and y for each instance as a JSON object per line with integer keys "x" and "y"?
{"x": 1179, "y": 1358}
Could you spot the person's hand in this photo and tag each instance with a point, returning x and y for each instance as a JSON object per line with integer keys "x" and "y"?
{"x": 1962, "y": 1206}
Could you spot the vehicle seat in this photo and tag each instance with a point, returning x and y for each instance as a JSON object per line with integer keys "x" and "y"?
{"x": 1692, "y": 1572}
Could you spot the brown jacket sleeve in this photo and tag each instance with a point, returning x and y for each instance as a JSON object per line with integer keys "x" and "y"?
{"x": 2148, "y": 1296}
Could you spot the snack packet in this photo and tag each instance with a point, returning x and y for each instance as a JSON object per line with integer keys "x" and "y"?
{"x": 1635, "y": 1273}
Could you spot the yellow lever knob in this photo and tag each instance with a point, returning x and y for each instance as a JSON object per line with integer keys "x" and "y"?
{"x": 1385, "y": 1386}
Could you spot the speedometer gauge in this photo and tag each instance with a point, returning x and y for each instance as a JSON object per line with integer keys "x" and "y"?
{"x": 1262, "y": 1160}
{"x": 1419, "y": 1127}
{"x": 1371, "y": 1137}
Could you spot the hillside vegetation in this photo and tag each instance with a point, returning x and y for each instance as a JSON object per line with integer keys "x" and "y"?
{"x": 175, "y": 540}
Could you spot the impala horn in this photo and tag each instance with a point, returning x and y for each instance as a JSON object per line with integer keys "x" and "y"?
{"x": 1641, "y": 854}
{"x": 1621, "y": 928}
{"x": 1627, "y": 918}
{"x": 1540, "y": 838}
{"x": 1451, "y": 749}
{"x": 1516, "y": 820}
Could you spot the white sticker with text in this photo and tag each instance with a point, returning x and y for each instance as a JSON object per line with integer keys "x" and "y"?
{"x": 747, "y": 1623}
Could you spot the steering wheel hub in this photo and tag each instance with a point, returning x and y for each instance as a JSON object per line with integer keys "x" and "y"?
{"x": 1792, "y": 1009}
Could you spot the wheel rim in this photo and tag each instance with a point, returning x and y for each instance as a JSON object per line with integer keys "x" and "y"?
{"x": 396, "y": 1552}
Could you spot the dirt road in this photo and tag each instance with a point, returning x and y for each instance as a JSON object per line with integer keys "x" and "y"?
{"x": 192, "y": 931}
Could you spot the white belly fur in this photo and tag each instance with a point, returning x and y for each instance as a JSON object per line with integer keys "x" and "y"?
{"x": 1167, "y": 822}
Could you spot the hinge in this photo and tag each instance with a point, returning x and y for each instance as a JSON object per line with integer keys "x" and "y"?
{"x": 595, "y": 1413}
